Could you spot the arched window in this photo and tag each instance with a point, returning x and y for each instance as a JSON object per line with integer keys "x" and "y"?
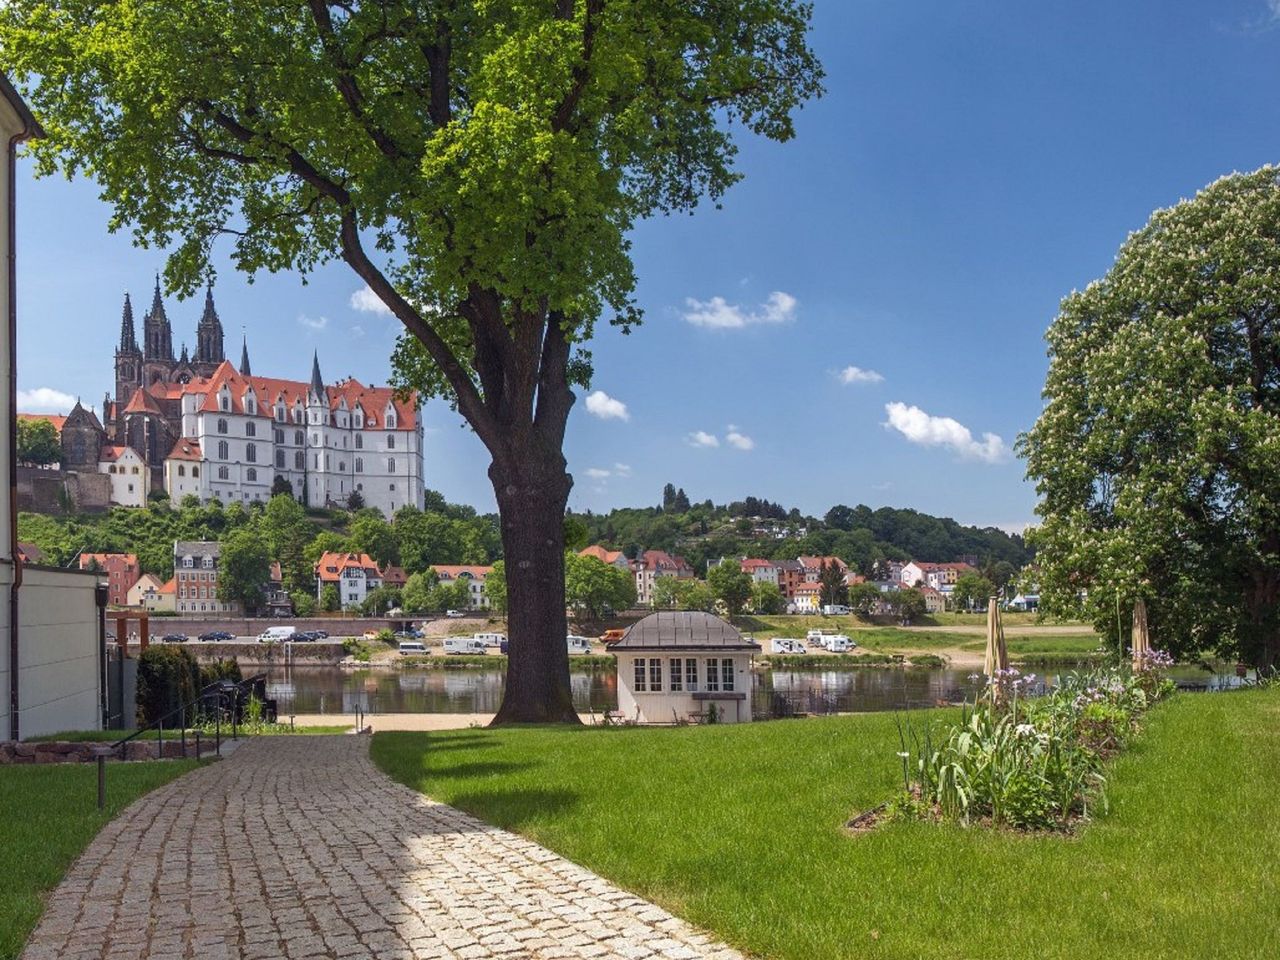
{"x": 135, "y": 470}
{"x": 251, "y": 475}
{"x": 359, "y": 441}
{"x": 391, "y": 441}
{"x": 182, "y": 471}
{"x": 195, "y": 471}
{"x": 224, "y": 402}
{"x": 342, "y": 465}
{"x": 223, "y": 450}
{"x": 251, "y": 452}
{"x": 389, "y": 421}
{"x": 224, "y": 473}
{"x": 250, "y": 404}
{"x": 279, "y": 459}
{"x": 111, "y": 469}
{"x": 250, "y": 429}
{"x": 359, "y": 464}
{"x": 222, "y": 424}
{"x": 298, "y": 462}
{"x": 391, "y": 465}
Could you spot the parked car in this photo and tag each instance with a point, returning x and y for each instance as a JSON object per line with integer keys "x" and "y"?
{"x": 410, "y": 634}
{"x": 321, "y": 634}
{"x": 277, "y": 634}
{"x": 174, "y": 638}
{"x": 455, "y": 614}
{"x": 215, "y": 636}
{"x": 408, "y": 647}
{"x": 305, "y": 636}
{"x": 468, "y": 645}
{"x": 786, "y": 645}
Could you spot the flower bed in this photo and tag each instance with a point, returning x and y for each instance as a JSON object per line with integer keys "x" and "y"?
{"x": 1031, "y": 763}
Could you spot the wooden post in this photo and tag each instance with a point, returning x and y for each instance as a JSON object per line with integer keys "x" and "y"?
{"x": 144, "y": 635}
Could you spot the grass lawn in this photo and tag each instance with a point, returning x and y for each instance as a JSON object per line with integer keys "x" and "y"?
{"x": 49, "y": 814}
{"x": 738, "y": 829}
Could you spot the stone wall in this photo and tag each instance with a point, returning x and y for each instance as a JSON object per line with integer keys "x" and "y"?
{"x": 68, "y": 751}
{"x": 51, "y": 491}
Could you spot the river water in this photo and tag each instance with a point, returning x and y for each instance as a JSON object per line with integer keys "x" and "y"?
{"x": 314, "y": 689}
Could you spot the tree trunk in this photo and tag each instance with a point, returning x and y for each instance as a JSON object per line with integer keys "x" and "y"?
{"x": 531, "y": 502}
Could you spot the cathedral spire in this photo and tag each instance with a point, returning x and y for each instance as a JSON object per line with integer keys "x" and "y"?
{"x": 128, "y": 336}
{"x": 157, "y": 333}
{"x": 185, "y": 357}
{"x": 244, "y": 358}
{"x": 209, "y": 332}
{"x": 317, "y": 384}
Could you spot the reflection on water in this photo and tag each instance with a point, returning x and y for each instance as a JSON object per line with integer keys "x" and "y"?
{"x": 312, "y": 689}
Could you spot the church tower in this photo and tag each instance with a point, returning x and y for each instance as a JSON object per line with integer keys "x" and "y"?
{"x": 245, "y": 369}
{"x": 209, "y": 334}
{"x": 128, "y": 357}
{"x": 157, "y": 333}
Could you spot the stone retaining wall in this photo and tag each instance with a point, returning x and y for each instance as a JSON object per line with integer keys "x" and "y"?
{"x": 65, "y": 751}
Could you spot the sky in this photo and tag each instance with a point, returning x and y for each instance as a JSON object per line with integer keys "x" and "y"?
{"x": 863, "y": 320}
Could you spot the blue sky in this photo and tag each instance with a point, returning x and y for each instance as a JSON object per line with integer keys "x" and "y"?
{"x": 863, "y": 320}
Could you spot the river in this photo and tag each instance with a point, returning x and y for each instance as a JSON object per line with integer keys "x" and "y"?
{"x": 336, "y": 690}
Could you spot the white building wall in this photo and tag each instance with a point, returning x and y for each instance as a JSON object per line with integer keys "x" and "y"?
{"x": 129, "y": 481}
{"x": 59, "y": 672}
{"x": 667, "y": 705}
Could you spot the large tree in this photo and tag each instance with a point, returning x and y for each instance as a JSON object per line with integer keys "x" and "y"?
{"x": 478, "y": 165}
{"x": 1157, "y": 456}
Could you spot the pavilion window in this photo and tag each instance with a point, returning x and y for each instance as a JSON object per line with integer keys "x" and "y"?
{"x": 726, "y": 674}
{"x": 655, "y": 675}
{"x": 677, "y": 675}
{"x": 691, "y": 674}
{"x": 640, "y": 676}
{"x": 713, "y": 675}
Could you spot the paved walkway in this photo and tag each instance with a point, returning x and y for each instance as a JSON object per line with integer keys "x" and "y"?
{"x": 298, "y": 847}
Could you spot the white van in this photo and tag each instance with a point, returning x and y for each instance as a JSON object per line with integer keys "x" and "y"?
{"x": 578, "y": 644}
{"x": 277, "y": 634}
{"x": 411, "y": 647}
{"x": 838, "y": 643}
{"x": 786, "y": 645}
{"x": 835, "y": 610}
{"x": 815, "y": 636}
{"x": 468, "y": 645}
{"x": 490, "y": 639}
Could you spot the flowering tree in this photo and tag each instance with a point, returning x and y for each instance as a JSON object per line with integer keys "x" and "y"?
{"x": 1157, "y": 456}
{"x": 478, "y": 165}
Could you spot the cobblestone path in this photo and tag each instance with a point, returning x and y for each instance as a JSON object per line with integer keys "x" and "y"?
{"x": 298, "y": 847}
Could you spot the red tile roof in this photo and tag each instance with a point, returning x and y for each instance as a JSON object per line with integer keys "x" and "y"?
{"x": 752, "y": 563}
{"x": 170, "y": 586}
{"x": 143, "y": 402}
{"x": 451, "y": 571}
{"x": 185, "y": 450}
{"x": 330, "y": 566}
{"x": 56, "y": 420}
{"x": 112, "y": 452}
{"x": 813, "y": 563}
{"x": 600, "y": 553}
{"x": 106, "y": 559}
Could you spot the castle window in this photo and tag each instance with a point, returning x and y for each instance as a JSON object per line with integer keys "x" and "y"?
{"x": 342, "y": 465}
{"x": 392, "y": 486}
{"x": 299, "y": 438}
{"x": 279, "y": 459}
{"x": 279, "y": 434}
{"x": 298, "y": 462}
{"x": 251, "y": 475}
{"x": 359, "y": 464}
{"x": 390, "y": 421}
{"x": 359, "y": 441}
{"x": 280, "y": 413}
{"x": 391, "y": 441}
{"x": 224, "y": 402}
{"x": 224, "y": 473}
{"x": 250, "y": 404}
{"x": 391, "y": 465}
{"x": 223, "y": 449}
{"x": 111, "y": 469}
{"x": 251, "y": 429}
{"x": 134, "y": 470}
{"x": 222, "y": 424}
{"x": 182, "y": 471}
{"x": 195, "y": 471}
{"x": 251, "y": 452}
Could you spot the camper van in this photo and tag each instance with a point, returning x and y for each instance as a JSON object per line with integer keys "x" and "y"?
{"x": 835, "y": 610}
{"x": 815, "y": 637}
{"x": 411, "y": 647}
{"x": 786, "y": 645}
{"x": 837, "y": 643}
{"x": 578, "y": 645}
{"x": 490, "y": 639}
{"x": 467, "y": 645}
{"x": 277, "y": 634}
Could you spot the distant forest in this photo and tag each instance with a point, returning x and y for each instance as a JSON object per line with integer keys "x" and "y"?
{"x": 756, "y": 527}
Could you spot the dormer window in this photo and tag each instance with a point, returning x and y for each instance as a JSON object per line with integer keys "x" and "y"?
{"x": 224, "y": 402}
{"x": 389, "y": 419}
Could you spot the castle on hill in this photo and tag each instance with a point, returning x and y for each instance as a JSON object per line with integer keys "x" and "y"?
{"x": 201, "y": 426}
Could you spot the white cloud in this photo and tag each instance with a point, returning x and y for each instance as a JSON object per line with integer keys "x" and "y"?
{"x": 596, "y": 473}
{"x": 313, "y": 323}
{"x": 735, "y": 438}
{"x": 719, "y": 314}
{"x": 357, "y": 330}
{"x": 45, "y": 400}
{"x": 929, "y": 431}
{"x": 700, "y": 438}
{"x": 366, "y": 301}
{"x": 600, "y": 404}
{"x": 621, "y": 470}
{"x": 852, "y": 374}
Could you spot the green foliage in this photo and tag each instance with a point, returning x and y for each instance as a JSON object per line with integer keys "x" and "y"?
{"x": 1157, "y": 456}
{"x": 907, "y": 604}
{"x": 370, "y": 533}
{"x": 304, "y": 603}
{"x": 863, "y": 598}
{"x": 972, "y": 591}
{"x": 38, "y": 443}
{"x": 767, "y": 598}
{"x": 330, "y": 601}
{"x": 730, "y": 585}
{"x": 244, "y": 569}
{"x": 168, "y": 677}
{"x": 831, "y": 586}
{"x": 593, "y": 588}
{"x": 381, "y": 600}
{"x": 495, "y": 587}
{"x": 220, "y": 669}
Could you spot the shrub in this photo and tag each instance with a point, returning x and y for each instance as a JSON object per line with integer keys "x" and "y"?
{"x": 220, "y": 670}
{"x": 168, "y": 677}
